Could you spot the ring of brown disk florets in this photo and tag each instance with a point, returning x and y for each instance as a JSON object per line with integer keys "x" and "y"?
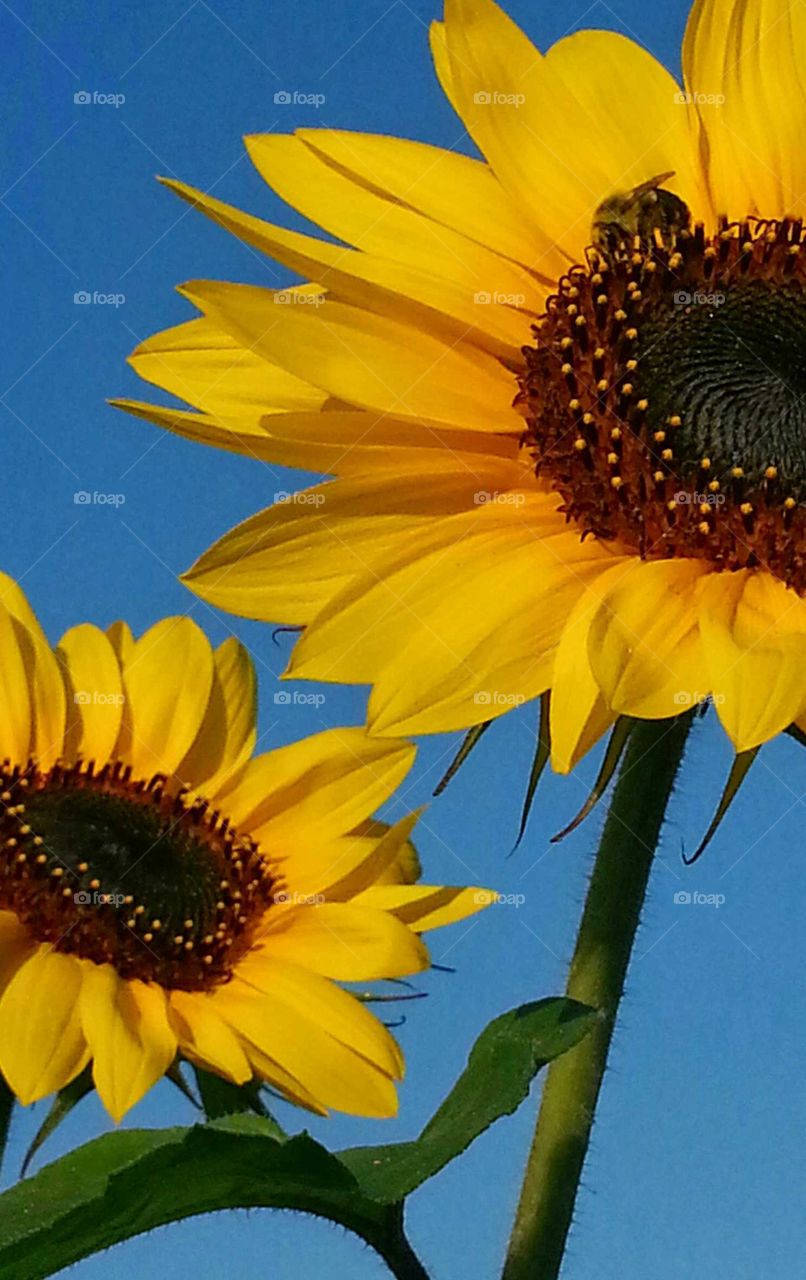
{"x": 665, "y": 396}
{"x": 129, "y": 873}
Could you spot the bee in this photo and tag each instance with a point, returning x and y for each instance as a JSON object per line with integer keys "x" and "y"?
{"x": 645, "y": 211}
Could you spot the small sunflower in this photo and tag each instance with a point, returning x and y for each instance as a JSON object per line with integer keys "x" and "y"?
{"x": 164, "y": 892}
{"x": 562, "y": 388}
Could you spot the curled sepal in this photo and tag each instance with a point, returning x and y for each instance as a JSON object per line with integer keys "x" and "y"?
{"x": 738, "y": 772}
{"x": 541, "y": 759}
{"x": 468, "y": 743}
{"x": 60, "y": 1108}
{"x": 615, "y": 750}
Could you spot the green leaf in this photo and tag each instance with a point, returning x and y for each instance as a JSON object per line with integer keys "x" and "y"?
{"x": 500, "y": 1069}
{"x": 133, "y": 1181}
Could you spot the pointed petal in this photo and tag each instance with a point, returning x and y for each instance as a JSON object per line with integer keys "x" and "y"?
{"x": 327, "y": 1069}
{"x": 127, "y": 1029}
{"x": 167, "y": 681}
{"x": 205, "y": 1038}
{"x": 345, "y": 942}
{"x": 95, "y": 691}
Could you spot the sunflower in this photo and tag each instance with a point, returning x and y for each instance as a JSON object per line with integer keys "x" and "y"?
{"x": 165, "y": 892}
{"x": 560, "y": 387}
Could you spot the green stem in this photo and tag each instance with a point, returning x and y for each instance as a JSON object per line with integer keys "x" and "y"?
{"x": 396, "y": 1251}
{"x": 596, "y": 977}
{"x": 6, "y": 1108}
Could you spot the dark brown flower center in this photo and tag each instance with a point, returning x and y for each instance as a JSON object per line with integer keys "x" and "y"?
{"x": 123, "y": 873}
{"x": 666, "y": 396}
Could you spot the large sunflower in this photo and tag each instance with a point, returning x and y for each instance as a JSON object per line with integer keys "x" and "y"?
{"x": 562, "y": 387}
{"x": 164, "y": 892}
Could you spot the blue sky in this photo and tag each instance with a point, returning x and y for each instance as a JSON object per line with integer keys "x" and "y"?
{"x": 698, "y": 1148}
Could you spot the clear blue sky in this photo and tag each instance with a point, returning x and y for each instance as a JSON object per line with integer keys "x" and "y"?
{"x": 696, "y": 1166}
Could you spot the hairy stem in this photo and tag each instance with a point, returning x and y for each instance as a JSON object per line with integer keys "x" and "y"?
{"x": 596, "y": 977}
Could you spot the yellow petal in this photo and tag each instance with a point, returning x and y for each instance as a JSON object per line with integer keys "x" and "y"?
{"x": 452, "y": 189}
{"x": 425, "y": 621}
{"x": 644, "y": 644}
{"x": 13, "y": 598}
{"x": 345, "y": 942}
{"x": 286, "y": 562}
{"x": 579, "y": 715}
{"x": 373, "y": 864}
{"x": 367, "y": 359}
{"x": 47, "y": 693}
{"x": 332, "y": 1073}
{"x": 340, "y": 442}
{"x": 206, "y": 1038}
{"x": 16, "y": 727}
{"x": 442, "y": 62}
{"x": 426, "y": 906}
{"x": 643, "y": 129}
{"x": 337, "y": 1012}
{"x": 333, "y": 180}
{"x": 130, "y": 1038}
{"x": 398, "y": 290}
{"x": 42, "y": 1047}
{"x": 95, "y": 690}
{"x": 754, "y": 641}
{"x": 742, "y": 59}
{"x": 227, "y": 735}
{"x": 317, "y": 787}
{"x": 16, "y": 945}
{"x": 204, "y": 365}
{"x": 121, "y": 640}
{"x": 520, "y": 109}
{"x": 167, "y": 681}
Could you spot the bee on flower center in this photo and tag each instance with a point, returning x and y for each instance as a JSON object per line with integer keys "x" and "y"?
{"x": 642, "y": 211}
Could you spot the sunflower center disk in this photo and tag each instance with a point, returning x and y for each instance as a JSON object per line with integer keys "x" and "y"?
{"x": 122, "y": 873}
{"x": 666, "y": 396}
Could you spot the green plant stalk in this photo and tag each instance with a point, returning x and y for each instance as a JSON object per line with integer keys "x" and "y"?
{"x": 6, "y": 1109}
{"x": 596, "y": 977}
